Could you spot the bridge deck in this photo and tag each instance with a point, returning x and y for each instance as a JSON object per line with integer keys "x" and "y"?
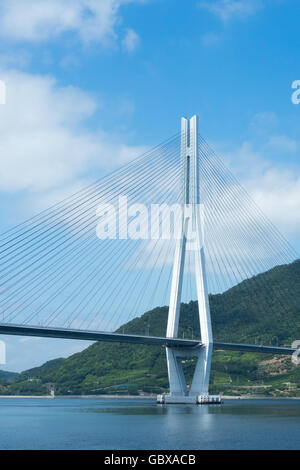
{"x": 64, "y": 333}
{"x": 23, "y": 330}
{"x": 253, "y": 348}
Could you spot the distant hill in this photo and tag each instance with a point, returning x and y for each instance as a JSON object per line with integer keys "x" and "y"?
{"x": 253, "y": 311}
{"x": 6, "y": 378}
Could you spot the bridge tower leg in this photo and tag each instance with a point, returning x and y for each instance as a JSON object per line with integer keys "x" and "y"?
{"x": 191, "y": 219}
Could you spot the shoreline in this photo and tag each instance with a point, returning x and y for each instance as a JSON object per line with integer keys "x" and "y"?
{"x": 148, "y": 397}
{"x": 134, "y": 397}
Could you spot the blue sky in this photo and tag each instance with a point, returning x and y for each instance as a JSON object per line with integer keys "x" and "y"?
{"x": 92, "y": 83}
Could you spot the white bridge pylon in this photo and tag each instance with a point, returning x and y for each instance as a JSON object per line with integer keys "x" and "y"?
{"x": 198, "y": 392}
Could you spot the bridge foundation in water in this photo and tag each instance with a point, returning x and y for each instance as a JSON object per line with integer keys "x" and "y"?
{"x": 198, "y": 400}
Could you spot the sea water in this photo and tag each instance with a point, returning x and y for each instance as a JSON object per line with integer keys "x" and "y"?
{"x": 78, "y": 423}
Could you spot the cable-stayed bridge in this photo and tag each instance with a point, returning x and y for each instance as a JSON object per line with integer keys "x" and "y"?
{"x": 171, "y": 226}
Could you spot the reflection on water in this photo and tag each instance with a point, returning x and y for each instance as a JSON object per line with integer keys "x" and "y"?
{"x": 142, "y": 424}
{"x": 151, "y": 409}
{"x": 277, "y": 408}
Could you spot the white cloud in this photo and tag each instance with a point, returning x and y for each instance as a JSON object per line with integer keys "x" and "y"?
{"x": 45, "y": 144}
{"x": 131, "y": 40}
{"x": 273, "y": 186}
{"x": 229, "y": 9}
{"x": 277, "y": 192}
{"x": 281, "y": 143}
{"x": 38, "y": 20}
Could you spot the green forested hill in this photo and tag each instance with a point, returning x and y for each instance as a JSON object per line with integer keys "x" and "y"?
{"x": 263, "y": 309}
{"x": 6, "y": 377}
